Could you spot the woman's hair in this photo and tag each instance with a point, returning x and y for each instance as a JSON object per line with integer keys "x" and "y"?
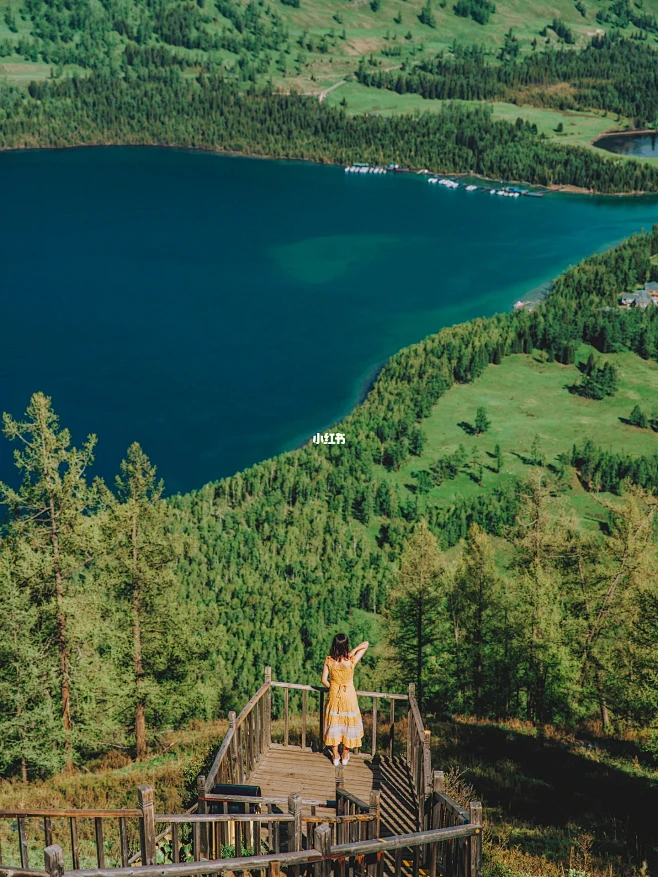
{"x": 340, "y": 647}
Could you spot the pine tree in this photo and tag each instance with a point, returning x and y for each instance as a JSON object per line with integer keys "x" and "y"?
{"x": 475, "y": 601}
{"x": 52, "y": 528}
{"x": 146, "y": 547}
{"x": 499, "y": 458}
{"x": 638, "y": 418}
{"x": 29, "y": 729}
{"x": 416, "y": 611}
{"x": 536, "y": 454}
{"x": 482, "y": 422}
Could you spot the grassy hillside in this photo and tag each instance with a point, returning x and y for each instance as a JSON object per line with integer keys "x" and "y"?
{"x": 526, "y": 397}
{"x": 323, "y": 39}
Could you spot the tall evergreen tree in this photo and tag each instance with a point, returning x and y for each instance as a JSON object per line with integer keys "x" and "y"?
{"x": 145, "y": 550}
{"x": 29, "y": 727}
{"x": 416, "y": 614}
{"x": 476, "y": 602}
{"x": 52, "y": 528}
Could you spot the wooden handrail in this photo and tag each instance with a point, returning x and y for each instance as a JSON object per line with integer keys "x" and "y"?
{"x": 224, "y": 817}
{"x": 343, "y": 793}
{"x": 81, "y": 814}
{"x": 253, "y": 863}
{"x": 249, "y": 799}
{"x": 206, "y": 866}
{"x": 251, "y": 704}
{"x": 21, "y": 872}
{"x": 453, "y": 807}
{"x": 320, "y": 688}
{"x": 221, "y": 754}
{"x": 418, "y": 721}
{"x": 401, "y": 841}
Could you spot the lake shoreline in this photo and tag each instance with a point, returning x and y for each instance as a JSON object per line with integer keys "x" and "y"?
{"x": 552, "y": 188}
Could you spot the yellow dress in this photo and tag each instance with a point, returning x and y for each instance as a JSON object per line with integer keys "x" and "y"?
{"x": 342, "y": 717}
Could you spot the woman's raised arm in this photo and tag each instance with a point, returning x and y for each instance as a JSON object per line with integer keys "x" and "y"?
{"x": 359, "y": 651}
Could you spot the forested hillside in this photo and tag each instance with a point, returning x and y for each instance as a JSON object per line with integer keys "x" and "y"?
{"x": 138, "y": 614}
{"x": 611, "y": 73}
{"x": 228, "y": 76}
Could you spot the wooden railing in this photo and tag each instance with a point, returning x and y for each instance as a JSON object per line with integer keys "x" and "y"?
{"x": 324, "y": 859}
{"x": 247, "y": 739}
{"x": 380, "y": 728}
{"x": 250, "y": 734}
{"x": 355, "y": 820}
{"x": 68, "y": 821}
{"x": 443, "y": 813}
{"x": 419, "y": 758}
{"x": 313, "y": 837}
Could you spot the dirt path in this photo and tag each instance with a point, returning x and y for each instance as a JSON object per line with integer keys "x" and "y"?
{"x": 324, "y": 93}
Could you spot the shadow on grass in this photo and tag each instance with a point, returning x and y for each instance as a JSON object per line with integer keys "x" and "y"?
{"x": 549, "y": 784}
{"x": 468, "y": 428}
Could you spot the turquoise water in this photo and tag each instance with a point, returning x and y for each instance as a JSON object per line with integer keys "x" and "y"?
{"x": 221, "y": 310}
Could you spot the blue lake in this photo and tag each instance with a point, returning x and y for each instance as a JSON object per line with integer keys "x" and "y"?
{"x": 643, "y": 145}
{"x": 221, "y": 310}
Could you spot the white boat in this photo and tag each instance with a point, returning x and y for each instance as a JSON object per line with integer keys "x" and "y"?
{"x": 493, "y": 191}
{"x": 471, "y": 188}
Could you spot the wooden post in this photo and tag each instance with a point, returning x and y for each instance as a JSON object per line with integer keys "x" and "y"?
{"x": 196, "y": 841}
{"x": 286, "y": 698}
{"x": 322, "y": 843}
{"x": 374, "y": 810}
{"x": 201, "y": 808}
{"x": 391, "y": 731}
{"x": 48, "y": 831}
{"x": 146, "y": 824}
{"x": 75, "y": 850}
{"x": 267, "y": 729}
{"x": 340, "y": 805}
{"x": 22, "y": 842}
{"x": 295, "y": 807}
{"x": 53, "y": 858}
{"x": 236, "y": 747}
{"x": 475, "y": 810}
{"x": 412, "y": 693}
{"x": 274, "y": 869}
{"x": 427, "y": 779}
{"x": 304, "y": 700}
{"x": 321, "y": 741}
{"x": 374, "y": 726}
{"x": 373, "y": 828}
{"x": 438, "y": 785}
{"x": 123, "y": 843}
{"x": 100, "y": 844}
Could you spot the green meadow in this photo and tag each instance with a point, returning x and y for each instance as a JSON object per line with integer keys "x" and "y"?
{"x": 524, "y": 398}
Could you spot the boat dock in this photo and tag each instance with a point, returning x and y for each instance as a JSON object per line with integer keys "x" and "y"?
{"x": 504, "y": 191}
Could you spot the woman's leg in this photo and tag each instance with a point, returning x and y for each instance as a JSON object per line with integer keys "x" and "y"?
{"x": 334, "y": 752}
{"x": 346, "y": 753}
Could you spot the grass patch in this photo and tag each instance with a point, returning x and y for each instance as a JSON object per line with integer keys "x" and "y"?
{"x": 555, "y": 802}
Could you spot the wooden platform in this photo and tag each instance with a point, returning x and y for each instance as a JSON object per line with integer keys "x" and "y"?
{"x": 282, "y": 772}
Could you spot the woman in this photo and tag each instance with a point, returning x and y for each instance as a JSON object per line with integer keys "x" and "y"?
{"x": 342, "y": 717}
